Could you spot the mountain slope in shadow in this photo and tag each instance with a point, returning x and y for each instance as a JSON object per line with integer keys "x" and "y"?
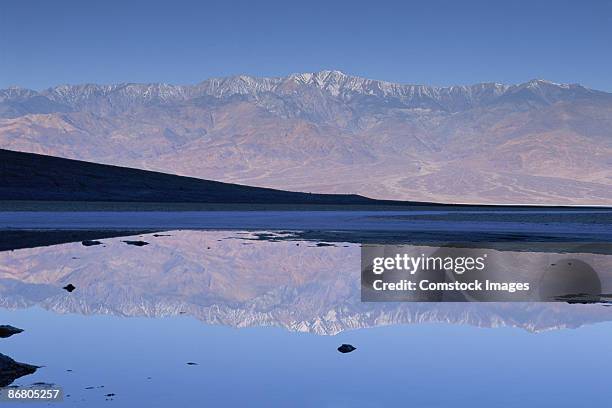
{"x": 28, "y": 176}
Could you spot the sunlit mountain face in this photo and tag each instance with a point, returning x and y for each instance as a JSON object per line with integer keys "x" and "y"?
{"x": 238, "y": 279}
{"x": 538, "y": 142}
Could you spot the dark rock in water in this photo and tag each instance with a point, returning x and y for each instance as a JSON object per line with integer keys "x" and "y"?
{"x": 346, "y": 348}
{"x": 137, "y": 243}
{"x": 10, "y": 370}
{"x": 8, "y": 331}
{"x": 91, "y": 243}
{"x": 69, "y": 287}
{"x": 191, "y": 363}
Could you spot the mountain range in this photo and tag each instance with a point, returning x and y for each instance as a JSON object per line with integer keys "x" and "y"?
{"x": 328, "y": 132}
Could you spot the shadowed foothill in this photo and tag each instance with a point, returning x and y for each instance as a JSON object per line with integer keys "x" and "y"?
{"x": 29, "y": 176}
{"x": 19, "y": 239}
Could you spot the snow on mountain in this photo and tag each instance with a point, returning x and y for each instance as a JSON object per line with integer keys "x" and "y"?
{"x": 333, "y": 83}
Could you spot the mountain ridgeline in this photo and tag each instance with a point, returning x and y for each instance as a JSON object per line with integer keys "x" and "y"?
{"x": 283, "y": 95}
{"x": 537, "y": 142}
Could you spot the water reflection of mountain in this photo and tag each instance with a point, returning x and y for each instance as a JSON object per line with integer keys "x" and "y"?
{"x": 221, "y": 278}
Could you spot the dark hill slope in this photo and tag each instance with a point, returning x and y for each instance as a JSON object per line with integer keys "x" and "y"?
{"x": 28, "y": 176}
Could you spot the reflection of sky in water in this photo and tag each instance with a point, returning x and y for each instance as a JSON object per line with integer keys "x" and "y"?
{"x": 416, "y": 365}
{"x": 220, "y": 278}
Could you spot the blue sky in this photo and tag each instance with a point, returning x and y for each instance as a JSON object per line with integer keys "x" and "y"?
{"x": 45, "y": 43}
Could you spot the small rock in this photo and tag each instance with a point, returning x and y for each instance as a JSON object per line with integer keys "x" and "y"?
{"x": 10, "y": 370}
{"x": 69, "y": 287}
{"x": 346, "y": 348}
{"x": 90, "y": 243}
{"x": 8, "y": 331}
{"x": 137, "y": 243}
